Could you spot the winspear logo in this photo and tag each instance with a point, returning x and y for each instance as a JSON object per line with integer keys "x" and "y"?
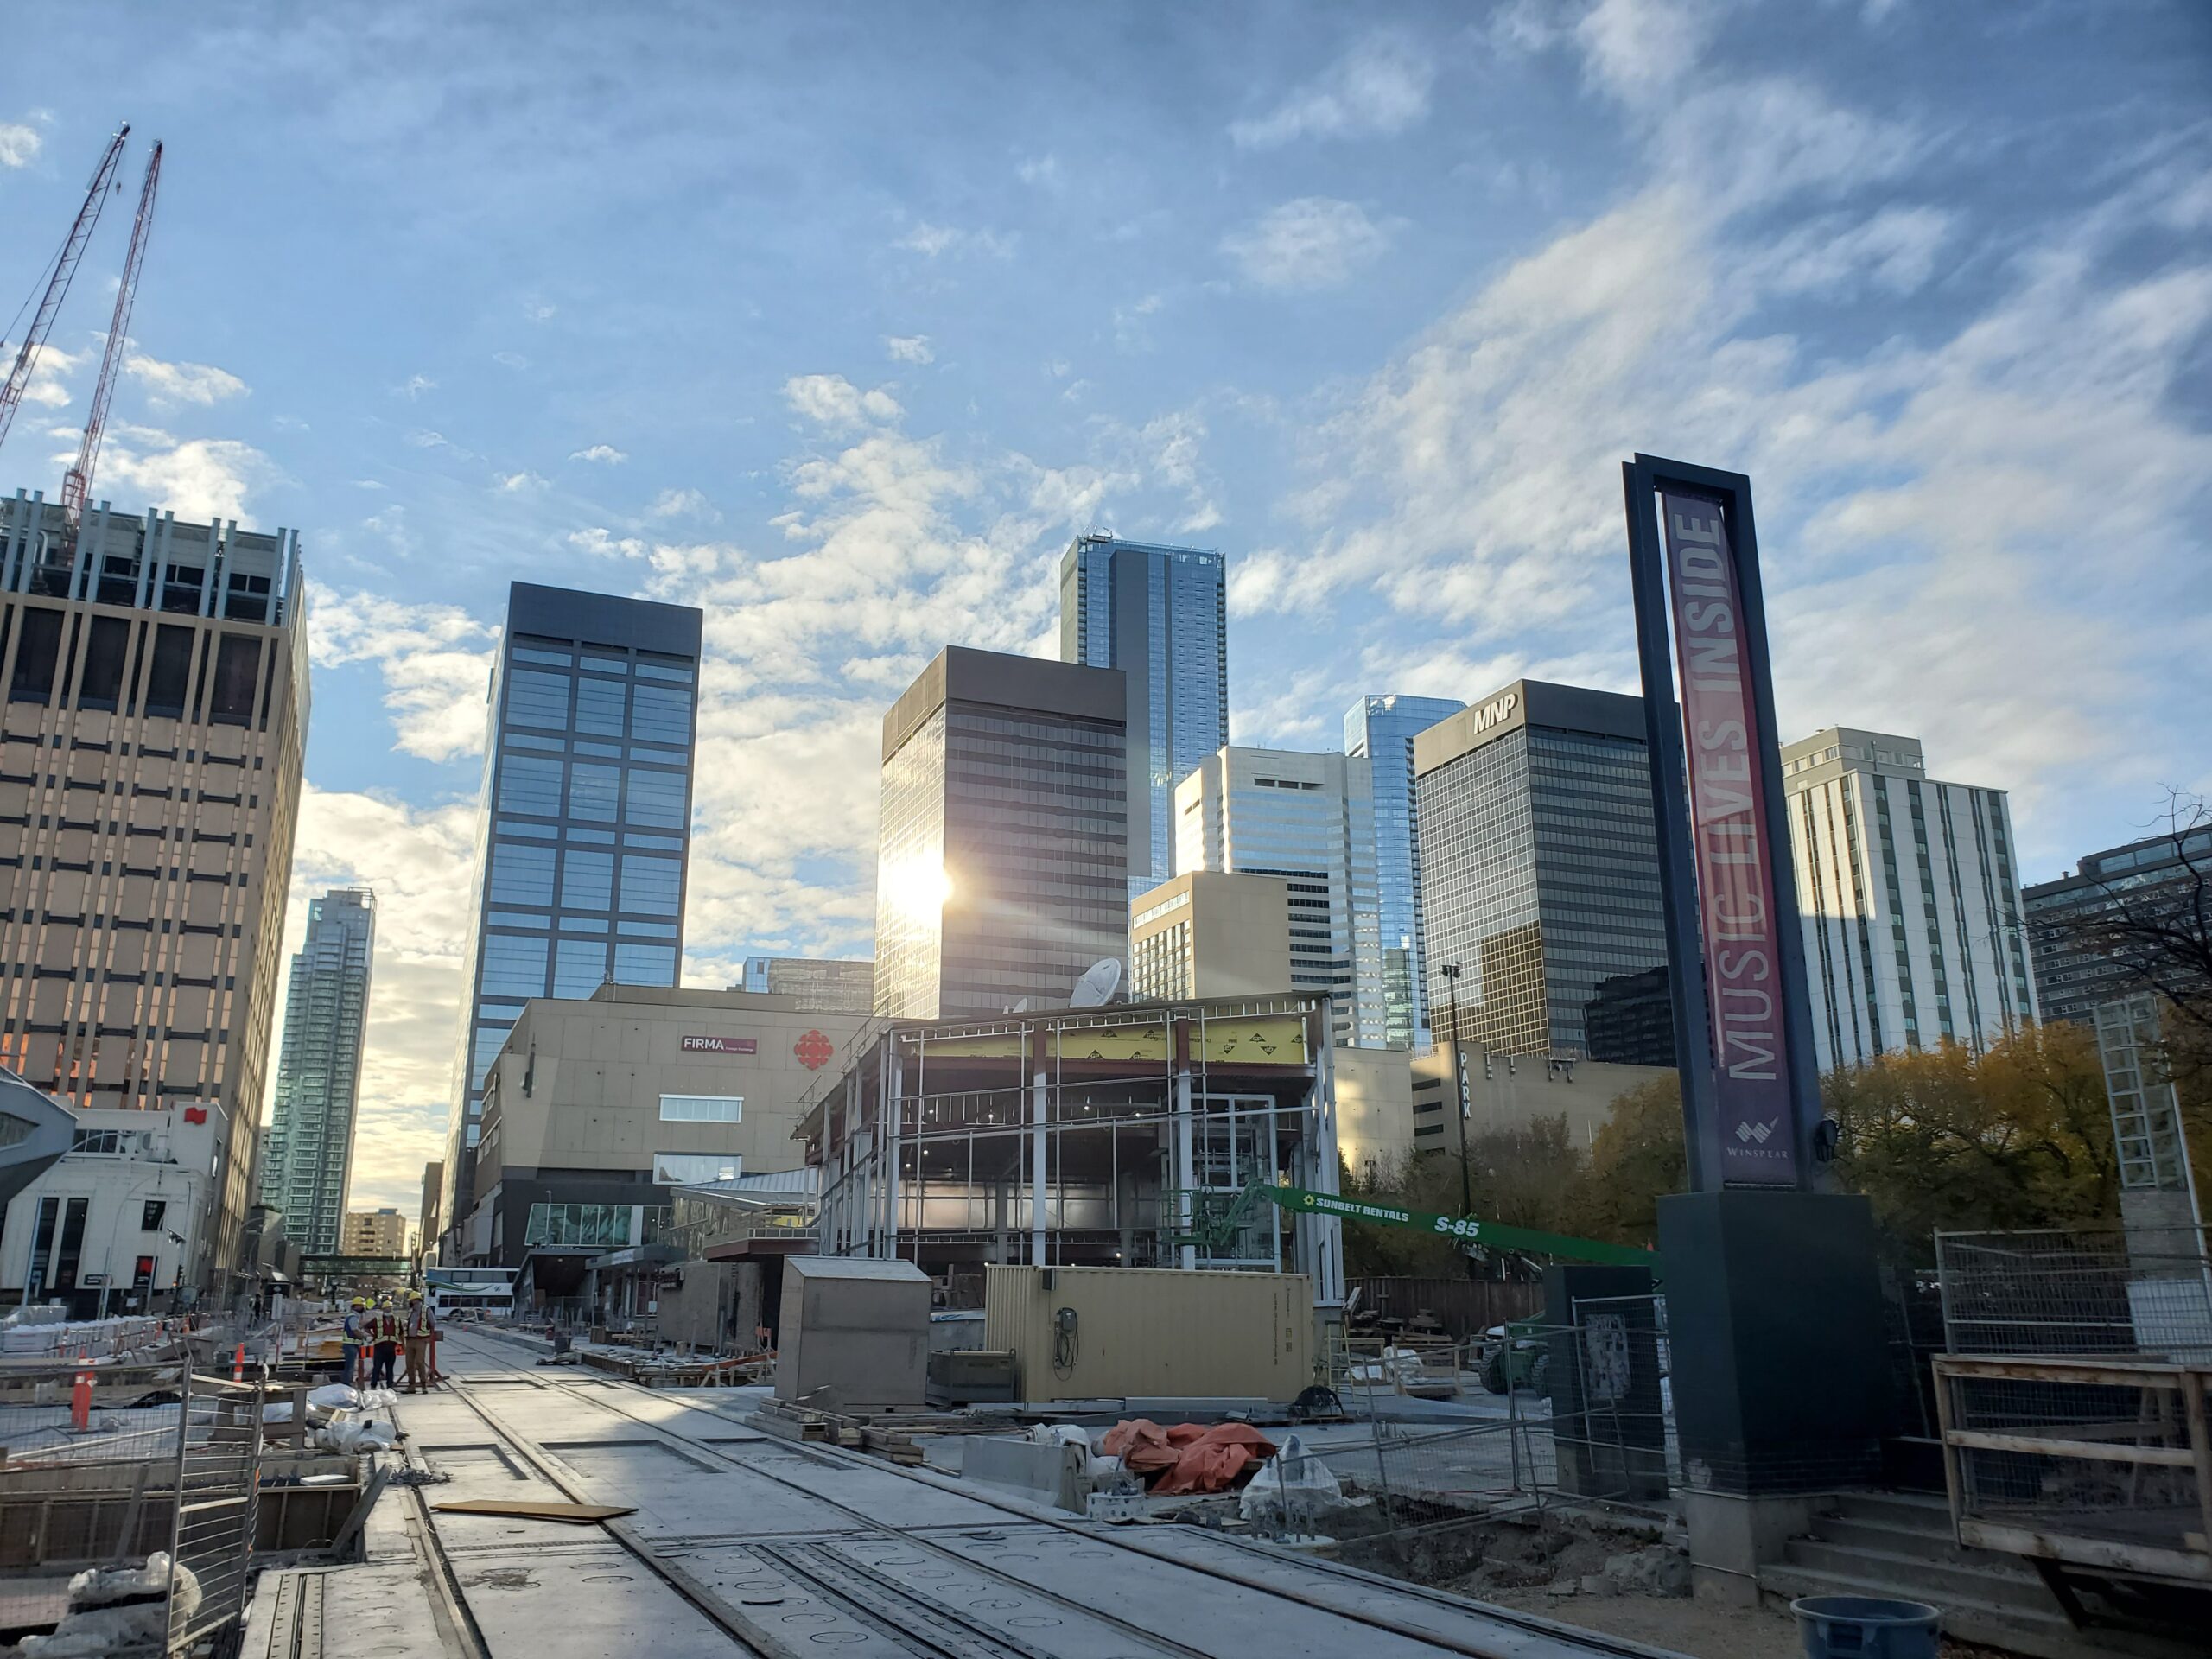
{"x": 1757, "y": 1134}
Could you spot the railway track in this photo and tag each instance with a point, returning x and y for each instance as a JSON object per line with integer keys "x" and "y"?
{"x": 925, "y": 1565}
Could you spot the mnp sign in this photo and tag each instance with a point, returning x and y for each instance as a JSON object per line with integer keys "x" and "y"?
{"x": 1735, "y": 947}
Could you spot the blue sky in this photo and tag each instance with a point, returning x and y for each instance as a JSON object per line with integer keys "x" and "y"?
{"x": 838, "y": 320}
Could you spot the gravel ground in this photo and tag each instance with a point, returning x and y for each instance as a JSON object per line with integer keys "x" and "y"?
{"x": 1684, "y": 1623}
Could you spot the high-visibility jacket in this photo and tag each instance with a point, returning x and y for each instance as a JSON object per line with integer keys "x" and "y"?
{"x": 419, "y": 1322}
{"x": 354, "y": 1328}
{"x": 383, "y": 1326}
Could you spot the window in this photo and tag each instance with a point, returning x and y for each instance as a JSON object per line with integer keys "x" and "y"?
{"x": 593, "y": 791}
{"x": 599, "y": 706}
{"x": 522, "y": 875}
{"x": 689, "y": 1168}
{"x": 648, "y": 670}
{"x": 702, "y": 1109}
{"x": 650, "y": 885}
{"x": 644, "y": 964}
{"x": 150, "y": 1217}
{"x": 531, "y": 654}
{"x": 112, "y": 1143}
{"x": 489, "y": 1040}
{"x": 662, "y": 715}
{"x": 537, "y": 698}
{"x": 513, "y": 965}
{"x": 37, "y": 649}
{"x": 530, "y": 782}
{"x": 588, "y": 880}
{"x": 238, "y": 667}
{"x": 656, "y": 799}
{"x": 579, "y": 967}
{"x": 517, "y": 918}
{"x": 104, "y": 649}
{"x": 165, "y": 682}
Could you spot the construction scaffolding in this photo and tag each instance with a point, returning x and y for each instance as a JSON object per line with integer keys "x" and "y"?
{"x": 1095, "y": 1137}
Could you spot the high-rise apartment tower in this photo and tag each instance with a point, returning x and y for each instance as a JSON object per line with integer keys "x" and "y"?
{"x": 156, "y": 683}
{"x": 1160, "y": 615}
{"x": 1382, "y": 728}
{"x": 583, "y": 828}
{"x": 310, "y": 1156}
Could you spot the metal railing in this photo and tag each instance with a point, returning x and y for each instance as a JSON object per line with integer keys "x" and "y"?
{"x": 218, "y": 1491}
{"x": 2134, "y": 1292}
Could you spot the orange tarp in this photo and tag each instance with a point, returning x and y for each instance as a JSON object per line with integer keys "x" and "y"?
{"x": 1187, "y": 1458}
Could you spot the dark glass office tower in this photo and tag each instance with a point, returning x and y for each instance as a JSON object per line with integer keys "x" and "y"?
{"x": 310, "y": 1162}
{"x": 1002, "y": 865}
{"x": 585, "y": 821}
{"x": 1160, "y": 615}
{"x": 1540, "y": 868}
{"x": 1382, "y": 728}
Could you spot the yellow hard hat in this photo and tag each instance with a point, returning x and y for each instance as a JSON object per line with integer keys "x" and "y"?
{"x": 414, "y": 1296}
{"x": 360, "y": 1301}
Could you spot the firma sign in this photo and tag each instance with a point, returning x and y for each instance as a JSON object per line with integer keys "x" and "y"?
{"x": 721, "y": 1045}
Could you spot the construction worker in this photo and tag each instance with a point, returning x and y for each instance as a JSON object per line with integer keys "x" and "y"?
{"x": 384, "y": 1335}
{"x": 350, "y": 1344}
{"x": 420, "y": 1328}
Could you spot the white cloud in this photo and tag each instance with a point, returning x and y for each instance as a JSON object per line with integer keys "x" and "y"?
{"x": 1311, "y": 242}
{"x": 517, "y": 483}
{"x": 605, "y": 455}
{"x": 834, "y": 401}
{"x": 683, "y": 503}
{"x": 601, "y": 543}
{"x": 908, "y": 348}
{"x": 931, "y": 240}
{"x": 539, "y": 310}
{"x": 1041, "y": 170}
{"x": 19, "y": 144}
{"x": 423, "y": 438}
{"x": 1638, "y": 49}
{"x": 510, "y": 359}
{"x": 200, "y": 479}
{"x": 1380, "y": 87}
{"x": 45, "y": 386}
{"x": 436, "y": 661}
{"x": 183, "y": 383}
{"x": 413, "y": 386}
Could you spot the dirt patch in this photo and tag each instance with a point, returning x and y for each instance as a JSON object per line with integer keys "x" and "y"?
{"x": 1682, "y": 1623}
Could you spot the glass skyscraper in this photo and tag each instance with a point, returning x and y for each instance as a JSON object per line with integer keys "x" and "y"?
{"x": 1160, "y": 615}
{"x": 319, "y": 1071}
{"x": 1307, "y": 818}
{"x": 1002, "y": 867}
{"x": 1382, "y": 727}
{"x": 1539, "y": 872}
{"x": 584, "y": 823}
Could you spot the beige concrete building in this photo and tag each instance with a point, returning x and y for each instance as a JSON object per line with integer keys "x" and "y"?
{"x": 150, "y": 782}
{"x": 1211, "y": 933}
{"x": 594, "y": 1109}
{"x": 374, "y": 1232}
{"x": 1374, "y": 1107}
{"x": 1510, "y": 1091}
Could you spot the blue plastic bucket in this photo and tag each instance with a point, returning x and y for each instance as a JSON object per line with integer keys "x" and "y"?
{"x": 1867, "y": 1627}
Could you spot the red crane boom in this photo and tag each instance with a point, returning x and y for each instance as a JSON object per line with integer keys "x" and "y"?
{"x": 65, "y": 268}
{"x": 78, "y": 481}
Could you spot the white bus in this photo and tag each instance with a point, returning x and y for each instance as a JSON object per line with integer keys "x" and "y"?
{"x": 470, "y": 1293}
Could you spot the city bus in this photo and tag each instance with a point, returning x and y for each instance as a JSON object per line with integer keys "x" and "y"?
{"x": 470, "y": 1293}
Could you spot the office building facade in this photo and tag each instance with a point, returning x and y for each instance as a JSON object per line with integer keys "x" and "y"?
{"x": 2075, "y": 969}
{"x": 1310, "y": 820}
{"x": 1539, "y": 866}
{"x": 1207, "y": 933}
{"x": 381, "y": 1233}
{"x": 583, "y": 828}
{"x": 1002, "y": 865}
{"x": 310, "y": 1154}
{"x": 831, "y": 984}
{"x": 1160, "y": 615}
{"x": 1382, "y": 729}
{"x": 157, "y": 684}
{"x": 1914, "y": 930}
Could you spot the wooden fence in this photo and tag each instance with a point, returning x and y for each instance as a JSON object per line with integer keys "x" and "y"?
{"x": 1467, "y": 1307}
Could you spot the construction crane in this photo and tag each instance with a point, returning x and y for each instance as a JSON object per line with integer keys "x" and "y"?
{"x": 57, "y": 285}
{"x": 77, "y": 483}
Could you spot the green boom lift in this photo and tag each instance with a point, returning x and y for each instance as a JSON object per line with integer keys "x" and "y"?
{"x": 1216, "y": 1219}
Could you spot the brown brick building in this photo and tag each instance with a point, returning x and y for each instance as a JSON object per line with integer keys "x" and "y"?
{"x": 150, "y": 749}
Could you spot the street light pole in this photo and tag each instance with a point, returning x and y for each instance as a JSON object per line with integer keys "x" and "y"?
{"x": 1451, "y": 972}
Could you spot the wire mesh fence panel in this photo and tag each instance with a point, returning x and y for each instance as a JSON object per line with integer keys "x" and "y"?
{"x": 2102, "y": 1462}
{"x": 218, "y": 1482}
{"x": 87, "y": 1414}
{"x": 2116, "y": 1291}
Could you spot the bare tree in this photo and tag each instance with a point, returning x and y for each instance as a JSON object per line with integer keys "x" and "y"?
{"x": 2158, "y": 933}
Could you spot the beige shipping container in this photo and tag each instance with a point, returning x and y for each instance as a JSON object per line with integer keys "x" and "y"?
{"x": 1151, "y": 1331}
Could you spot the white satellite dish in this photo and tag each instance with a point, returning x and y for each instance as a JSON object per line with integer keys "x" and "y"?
{"x": 1020, "y": 1005}
{"x": 1097, "y": 987}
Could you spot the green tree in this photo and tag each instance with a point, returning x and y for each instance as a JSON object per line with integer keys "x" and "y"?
{"x": 1635, "y": 1159}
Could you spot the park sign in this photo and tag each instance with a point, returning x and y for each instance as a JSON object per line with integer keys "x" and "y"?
{"x": 1735, "y": 949}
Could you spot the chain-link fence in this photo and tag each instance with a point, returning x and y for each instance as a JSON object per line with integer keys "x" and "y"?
{"x": 2120, "y": 1292}
{"x": 2102, "y": 1462}
{"x": 218, "y": 1489}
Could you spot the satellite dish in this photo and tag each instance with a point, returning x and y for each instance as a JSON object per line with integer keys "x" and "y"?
{"x": 1020, "y": 1005}
{"x": 1097, "y": 987}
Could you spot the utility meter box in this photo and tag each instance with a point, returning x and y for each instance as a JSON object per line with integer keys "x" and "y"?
{"x": 855, "y": 1334}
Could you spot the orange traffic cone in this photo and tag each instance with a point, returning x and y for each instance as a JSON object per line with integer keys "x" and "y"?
{"x": 80, "y": 1401}
{"x": 238, "y": 1365}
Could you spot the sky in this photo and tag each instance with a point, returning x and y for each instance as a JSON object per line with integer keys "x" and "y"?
{"x": 838, "y": 320}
